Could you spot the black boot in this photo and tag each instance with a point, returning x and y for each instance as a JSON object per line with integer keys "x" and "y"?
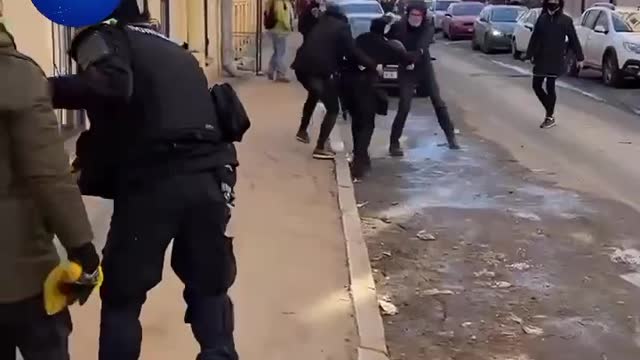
{"x": 395, "y": 150}
{"x": 453, "y": 142}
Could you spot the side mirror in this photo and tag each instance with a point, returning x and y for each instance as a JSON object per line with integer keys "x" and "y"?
{"x": 600, "y": 29}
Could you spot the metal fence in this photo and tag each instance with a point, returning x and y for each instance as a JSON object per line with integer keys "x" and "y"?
{"x": 69, "y": 121}
{"x": 247, "y": 34}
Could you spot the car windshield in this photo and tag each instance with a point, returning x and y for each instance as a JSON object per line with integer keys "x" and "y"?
{"x": 362, "y": 8}
{"x": 626, "y": 21}
{"x": 505, "y": 14}
{"x": 466, "y": 10}
{"x": 443, "y": 5}
{"x": 359, "y": 26}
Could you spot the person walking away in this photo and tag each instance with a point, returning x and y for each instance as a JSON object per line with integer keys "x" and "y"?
{"x": 416, "y": 33}
{"x": 280, "y": 28}
{"x": 547, "y": 50}
{"x": 308, "y": 18}
{"x": 316, "y": 65}
{"x": 364, "y": 98}
{"x": 38, "y": 199}
{"x": 155, "y": 147}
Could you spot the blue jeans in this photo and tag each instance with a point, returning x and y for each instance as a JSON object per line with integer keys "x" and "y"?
{"x": 277, "y": 66}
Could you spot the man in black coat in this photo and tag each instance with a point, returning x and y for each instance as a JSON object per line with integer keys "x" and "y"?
{"x": 416, "y": 33}
{"x": 362, "y": 97}
{"x": 547, "y": 50}
{"x": 316, "y": 65}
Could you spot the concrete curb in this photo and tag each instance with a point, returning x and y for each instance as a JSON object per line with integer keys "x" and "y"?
{"x": 369, "y": 324}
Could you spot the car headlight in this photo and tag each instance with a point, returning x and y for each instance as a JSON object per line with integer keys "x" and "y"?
{"x": 633, "y": 47}
{"x": 495, "y": 32}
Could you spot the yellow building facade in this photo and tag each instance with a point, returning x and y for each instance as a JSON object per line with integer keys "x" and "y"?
{"x": 196, "y": 22}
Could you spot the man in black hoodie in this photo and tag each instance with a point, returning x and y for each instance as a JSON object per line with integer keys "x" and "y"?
{"x": 363, "y": 99}
{"x": 547, "y": 50}
{"x": 416, "y": 33}
{"x": 316, "y": 65}
{"x": 155, "y": 147}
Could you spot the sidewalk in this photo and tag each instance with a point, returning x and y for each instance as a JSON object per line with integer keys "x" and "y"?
{"x": 291, "y": 294}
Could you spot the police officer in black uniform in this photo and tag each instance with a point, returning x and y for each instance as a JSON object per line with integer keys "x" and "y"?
{"x": 155, "y": 148}
{"x": 416, "y": 33}
{"x": 362, "y": 96}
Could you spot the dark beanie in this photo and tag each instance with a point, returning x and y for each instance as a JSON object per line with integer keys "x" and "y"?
{"x": 128, "y": 12}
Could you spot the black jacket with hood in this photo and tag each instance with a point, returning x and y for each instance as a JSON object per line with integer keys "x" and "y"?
{"x": 415, "y": 38}
{"x": 327, "y": 44}
{"x": 553, "y": 35}
{"x": 308, "y": 18}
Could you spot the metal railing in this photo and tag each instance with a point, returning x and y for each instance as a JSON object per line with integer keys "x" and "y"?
{"x": 247, "y": 31}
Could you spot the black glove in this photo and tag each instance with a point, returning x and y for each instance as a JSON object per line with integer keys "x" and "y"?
{"x": 86, "y": 256}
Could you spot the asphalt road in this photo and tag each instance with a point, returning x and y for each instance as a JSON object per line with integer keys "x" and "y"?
{"x": 530, "y": 247}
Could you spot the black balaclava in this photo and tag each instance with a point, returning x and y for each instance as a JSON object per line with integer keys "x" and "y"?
{"x": 334, "y": 10}
{"x": 420, "y": 6}
{"x": 547, "y": 6}
{"x": 132, "y": 11}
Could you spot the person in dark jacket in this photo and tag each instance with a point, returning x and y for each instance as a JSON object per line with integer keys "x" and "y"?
{"x": 308, "y": 18}
{"x": 156, "y": 140}
{"x": 416, "y": 33}
{"x": 363, "y": 98}
{"x": 316, "y": 65}
{"x": 38, "y": 199}
{"x": 547, "y": 50}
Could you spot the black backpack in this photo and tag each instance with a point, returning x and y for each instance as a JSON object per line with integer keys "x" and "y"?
{"x": 232, "y": 117}
{"x": 270, "y": 20}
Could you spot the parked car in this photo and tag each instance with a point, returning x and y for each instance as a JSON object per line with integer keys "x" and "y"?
{"x": 350, "y": 7}
{"x": 610, "y": 39}
{"x": 459, "y": 18}
{"x": 439, "y": 8}
{"x": 493, "y": 29}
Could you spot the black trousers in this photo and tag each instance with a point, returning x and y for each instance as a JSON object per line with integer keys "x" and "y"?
{"x": 362, "y": 102}
{"x": 323, "y": 89}
{"x": 25, "y": 325}
{"x": 547, "y": 98}
{"x": 193, "y": 211}
{"x": 408, "y": 82}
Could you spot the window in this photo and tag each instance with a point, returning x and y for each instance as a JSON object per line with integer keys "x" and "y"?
{"x": 603, "y": 21}
{"x": 626, "y": 21}
{"x": 589, "y": 19}
{"x": 359, "y": 26}
{"x": 361, "y": 8}
{"x": 533, "y": 17}
{"x": 466, "y": 10}
{"x": 505, "y": 14}
{"x": 443, "y": 5}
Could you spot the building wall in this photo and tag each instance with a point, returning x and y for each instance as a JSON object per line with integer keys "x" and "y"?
{"x": 32, "y": 32}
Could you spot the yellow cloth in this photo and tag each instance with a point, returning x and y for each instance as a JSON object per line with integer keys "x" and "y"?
{"x": 283, "y": 10}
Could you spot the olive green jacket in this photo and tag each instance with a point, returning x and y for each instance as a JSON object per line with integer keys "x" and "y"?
{"x": 38, "y": 196}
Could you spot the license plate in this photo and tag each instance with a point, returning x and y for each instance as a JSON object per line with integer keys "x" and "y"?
{"x": 390, "y": 75}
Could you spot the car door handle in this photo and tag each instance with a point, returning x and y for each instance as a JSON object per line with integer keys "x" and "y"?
{"x": 529, "y": 27}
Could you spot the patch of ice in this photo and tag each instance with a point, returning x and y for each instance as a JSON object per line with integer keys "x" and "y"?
{"x": 627, "y": 256}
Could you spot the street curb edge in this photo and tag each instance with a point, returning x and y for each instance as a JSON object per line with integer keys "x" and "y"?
{"x": 369, "y": 324}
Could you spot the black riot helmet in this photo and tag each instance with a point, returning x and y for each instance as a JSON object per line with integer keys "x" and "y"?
{"x": 132, "y": 11}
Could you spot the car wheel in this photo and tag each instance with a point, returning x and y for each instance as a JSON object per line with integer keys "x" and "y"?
{"x": 486, "y": 47}
{"x": 572, "y": 64}
{"x": 514, "y": 50}
{"x": 445, "y": 34}
{"x": 474, "y": 43}
{"x": 611, "y": 75}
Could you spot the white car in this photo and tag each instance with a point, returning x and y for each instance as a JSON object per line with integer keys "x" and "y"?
{"x": 439, "y": 9}
{"x": 359, "y": 7}
{"x": 522, "y": 32}
{"x": 610, "y": 39}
